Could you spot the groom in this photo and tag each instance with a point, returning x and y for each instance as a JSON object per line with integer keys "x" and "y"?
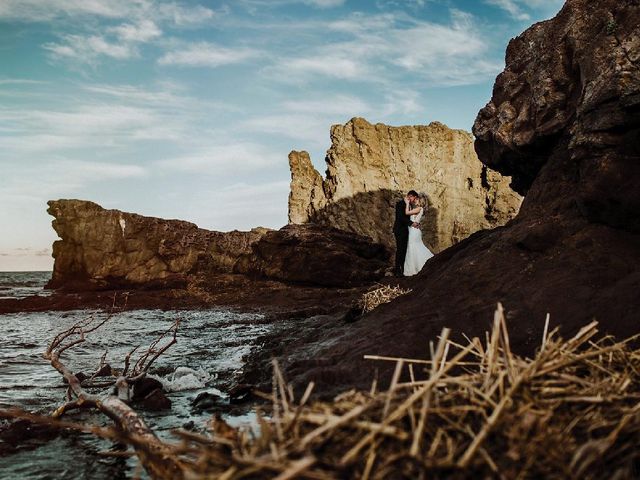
{"x": 401, "y": 232}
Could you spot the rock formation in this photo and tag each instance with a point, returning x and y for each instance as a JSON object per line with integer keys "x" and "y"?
{"x": 102, "y": 249}
{"x": 113, "y": 248}
{"x": 564, "y": 121}
{"x": 312, "y": 254}
{"x": 369, "y": 167}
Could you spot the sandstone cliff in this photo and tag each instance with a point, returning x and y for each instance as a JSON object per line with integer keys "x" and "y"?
{"x": 113, "y": 248}
{"x": 102, "y": 248}
{"x": 369, "y": 167}
{"x": 564, "y": 121}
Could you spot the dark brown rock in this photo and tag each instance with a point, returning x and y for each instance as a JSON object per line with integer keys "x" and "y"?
{"x": 564, "y": 122}
{"x": 144, "y": 387}
{"x": 314, "y": 254}
{"x": 573, "y": 79}
{"x": 241, "y": 393}
{"x": 104, "y": 371}
{"x": 155, "y": 400}
{"x": 207, "y": 401}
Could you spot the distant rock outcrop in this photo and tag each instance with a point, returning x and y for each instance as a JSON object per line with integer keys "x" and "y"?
{"x": 102, "y": 249}
{"x": 110, "y": 248}
{"x": 369, "y": 167}
{"x": 564, "y": 122}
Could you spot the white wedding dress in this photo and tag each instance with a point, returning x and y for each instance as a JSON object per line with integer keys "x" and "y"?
{"x": 417, "y": 252}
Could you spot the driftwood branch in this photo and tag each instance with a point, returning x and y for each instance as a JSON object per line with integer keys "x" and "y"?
{"x": 150, "y": 450}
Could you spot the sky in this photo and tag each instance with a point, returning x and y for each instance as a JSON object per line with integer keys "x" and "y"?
{"x": 187, "y": 109}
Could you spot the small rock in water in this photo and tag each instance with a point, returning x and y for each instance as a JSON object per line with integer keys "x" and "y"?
{"x": 105, "y": 371}
{"x": 156, "y": 400}
{"x": 190, "y": 425}
{"x": 241, "y": 393}
{"x": 80, "y": 376}
{"x": 142, "y": 388}
{"x": 206, "y": 401}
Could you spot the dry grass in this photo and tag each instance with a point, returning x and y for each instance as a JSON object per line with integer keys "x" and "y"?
{"x": 470, "y": 411}
{"x": 378, "y": 296}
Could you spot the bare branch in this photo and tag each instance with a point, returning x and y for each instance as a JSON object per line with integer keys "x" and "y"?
{"x": 142, "y": 366}
{"x": 148, "y": 447}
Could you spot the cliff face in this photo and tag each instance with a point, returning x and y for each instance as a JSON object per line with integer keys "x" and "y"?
{"x": 370, "y": 167}
{"x": 564, "y": 121}
{"x": 102, "y": 248}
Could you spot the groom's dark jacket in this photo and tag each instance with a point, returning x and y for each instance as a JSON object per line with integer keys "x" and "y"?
{"x": 402, "y": 219}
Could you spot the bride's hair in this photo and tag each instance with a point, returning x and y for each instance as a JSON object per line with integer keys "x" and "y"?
{"x": 422, "y": 200}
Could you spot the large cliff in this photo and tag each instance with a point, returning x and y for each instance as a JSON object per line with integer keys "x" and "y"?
{"x": 100, "y": 249}
{"x": 564, "y": 121}
{"x": 369, "y": 167}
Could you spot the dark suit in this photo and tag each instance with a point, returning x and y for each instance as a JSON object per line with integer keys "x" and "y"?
{"x": 401, "y": 232}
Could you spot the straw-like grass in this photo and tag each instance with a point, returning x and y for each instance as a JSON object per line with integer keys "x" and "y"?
{"x": 470, "y": 411}
{"x": 477, "y": 411}
{"x": 380, "y": 295}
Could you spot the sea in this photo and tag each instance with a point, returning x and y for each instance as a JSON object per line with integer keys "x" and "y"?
{"x": 208, "y": 357}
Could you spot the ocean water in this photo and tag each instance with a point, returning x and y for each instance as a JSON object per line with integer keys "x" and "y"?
{"x": 207, "y": 357}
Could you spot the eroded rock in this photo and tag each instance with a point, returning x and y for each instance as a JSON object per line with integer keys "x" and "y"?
{"x": 564, "y": 121}
{"x": 102, "y": 249}
{"x": 313, "y": 254}
{"x": 369, "y": 168}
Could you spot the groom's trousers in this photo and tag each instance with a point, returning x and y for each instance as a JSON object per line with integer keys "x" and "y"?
{"x": 402, "y": 238}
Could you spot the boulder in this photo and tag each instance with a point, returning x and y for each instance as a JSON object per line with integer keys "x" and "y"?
{"x": 207, "y": 401}
{"x": 313, "y": 254}
{"x": 370, "y": 167}
{"x": 144, "y": 387}
{"x": 155, "y": 400}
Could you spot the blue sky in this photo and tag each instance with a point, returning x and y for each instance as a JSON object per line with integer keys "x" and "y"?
{"x": 189, "y": 109}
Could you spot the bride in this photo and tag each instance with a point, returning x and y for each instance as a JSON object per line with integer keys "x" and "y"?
{"x": 417, "y": 252}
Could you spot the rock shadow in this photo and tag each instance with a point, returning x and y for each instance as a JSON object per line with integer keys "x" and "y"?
{"x": 372, "y": 214}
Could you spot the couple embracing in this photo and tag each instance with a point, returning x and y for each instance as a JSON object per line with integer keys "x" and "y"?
{"x": 411, "y": 253}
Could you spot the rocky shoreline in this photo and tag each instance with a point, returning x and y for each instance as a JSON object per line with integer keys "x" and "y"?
{"x": 563, "y": 124}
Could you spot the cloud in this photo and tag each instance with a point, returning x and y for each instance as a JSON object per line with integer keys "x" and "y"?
{"x": 37, "y": 10}
{"x": 325, "y": 3}
{"x": 522, "y": 9}
{"x": 86, "y": 125}
{"x": 177, "y": 14}
{"x": 252, "y": 5}
{"x": 308, "y": 120}
{"x": 168, "y": 96}
{"x": 512, "y": 7}
{"x": 87, "y": 49}
{"x": 330, "y": 65}
{"x": 143, "y": 31}
{"x": 241, "y": 205}
{"x": 20, "y": 81}
{"x": 381, "y": 48}
{"x": 205, "y": 54}
{"x": 31, "y": 183}
{"x": 329, "y": 105}
{"x": 225, "y": 159}
{"x": 184, "y": 15}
